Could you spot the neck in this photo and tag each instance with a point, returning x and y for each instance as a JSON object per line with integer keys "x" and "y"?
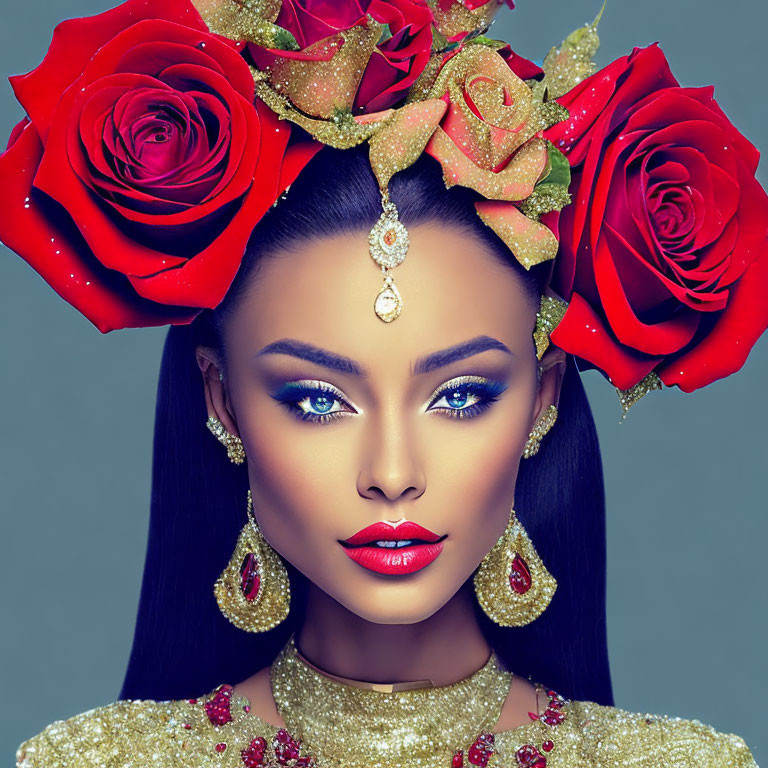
{"x": 447, "y": 647}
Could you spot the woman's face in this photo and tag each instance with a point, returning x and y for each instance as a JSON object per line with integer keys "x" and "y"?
{"x": 348, "y": 421}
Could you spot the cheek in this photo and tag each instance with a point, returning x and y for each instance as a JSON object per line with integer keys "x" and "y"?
{"x": 473, "y": 470}
{"x": 297, "y": 474}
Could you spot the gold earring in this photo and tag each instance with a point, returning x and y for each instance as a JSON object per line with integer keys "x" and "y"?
{"x": 512, "y": 584}
{"x": 543, "y": 425}
{"x": 253, "y": 591}
{"x": 235, "y": 450}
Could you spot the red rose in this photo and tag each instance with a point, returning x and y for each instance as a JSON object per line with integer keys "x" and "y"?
{"x": 664, "y": 251}
{"x": 143, "y": 166}
{"x": 399, "y": 60}
{"x": 376, "y": 74}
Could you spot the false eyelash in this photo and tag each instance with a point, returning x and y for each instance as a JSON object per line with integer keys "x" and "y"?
{"x": 294, "y": 392}
{"x": 486, "y": 389}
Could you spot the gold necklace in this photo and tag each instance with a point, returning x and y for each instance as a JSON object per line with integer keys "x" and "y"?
{"x": 343, "y": 724}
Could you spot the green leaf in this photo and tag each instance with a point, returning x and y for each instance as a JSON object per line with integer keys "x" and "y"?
{"x": 488, "y": 42}
{"x": 559, "y": 169}
{"x": 284, "y": 40}
{"x": 386, "y": 33}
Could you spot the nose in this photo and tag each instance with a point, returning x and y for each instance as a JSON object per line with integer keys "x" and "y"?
{"x": 390, "y": 466}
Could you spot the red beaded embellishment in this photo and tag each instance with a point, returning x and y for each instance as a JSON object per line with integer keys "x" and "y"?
{"x": 218, "y": 708}
{"x": 221, "y": 746}
{"x": 530, "y": 757}
{"x": 527, "y": 756}
{"x": 481, "y": 750}
{"x": 552, "y": 714}
{"x": 253, "y": 755}
{"x": 285, "y": 746}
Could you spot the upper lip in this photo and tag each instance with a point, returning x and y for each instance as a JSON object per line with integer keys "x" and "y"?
{"x": 385, "y": 532}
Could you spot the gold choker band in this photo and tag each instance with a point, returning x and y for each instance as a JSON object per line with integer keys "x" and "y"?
{"x": 411, "y": 685}
{"x": 342, "y": 722}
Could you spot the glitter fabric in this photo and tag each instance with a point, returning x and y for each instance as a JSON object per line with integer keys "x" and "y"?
{"x": 333, "y": 719}
{"x": 218, "y": 729}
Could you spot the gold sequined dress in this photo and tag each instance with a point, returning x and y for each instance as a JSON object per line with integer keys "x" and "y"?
{"x": 219, "y": 729}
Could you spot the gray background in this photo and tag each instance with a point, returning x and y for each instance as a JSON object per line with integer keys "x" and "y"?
{"x": 686, "y": 475}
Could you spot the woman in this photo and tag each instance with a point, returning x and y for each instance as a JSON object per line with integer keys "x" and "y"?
{"x": 399, "y": 449}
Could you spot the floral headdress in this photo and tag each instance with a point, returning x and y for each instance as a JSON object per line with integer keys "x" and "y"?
{"x": 159, "y": 133}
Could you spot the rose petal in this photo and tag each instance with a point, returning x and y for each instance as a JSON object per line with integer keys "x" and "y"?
{"x": 652, "y": 338}
{"x": 56, "y": 252}
{"x": 74, "y": 43}
{"x": 582, "y": 333}
{"x": 723, "y": 350}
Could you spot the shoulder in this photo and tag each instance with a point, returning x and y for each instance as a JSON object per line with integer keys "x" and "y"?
{"x": 90, "y": 737}
{"x": 611, "y": 735}
{"x": 138, "y": 733}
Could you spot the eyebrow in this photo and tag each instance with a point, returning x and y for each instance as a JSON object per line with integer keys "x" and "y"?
{"x": 342, "y": 364}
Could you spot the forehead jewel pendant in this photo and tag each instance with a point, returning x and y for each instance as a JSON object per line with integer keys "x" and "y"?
{"x": 388, "y": 244}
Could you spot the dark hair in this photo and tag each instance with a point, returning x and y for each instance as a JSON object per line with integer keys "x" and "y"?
{"x": 183, "y": 646}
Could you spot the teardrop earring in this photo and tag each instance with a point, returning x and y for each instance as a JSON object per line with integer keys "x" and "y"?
{"x": 512, "y": 584}
{"x": 253, "y": 591}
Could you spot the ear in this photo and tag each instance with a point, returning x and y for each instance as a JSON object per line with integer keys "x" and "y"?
{"x": 217, "y": 399}
{"x": 552, "y": 364}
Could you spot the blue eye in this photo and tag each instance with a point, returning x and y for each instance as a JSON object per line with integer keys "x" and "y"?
{"x": 312, "y": 400}
{"x": 466, "y": 396}
{"x": 319, "y": 402}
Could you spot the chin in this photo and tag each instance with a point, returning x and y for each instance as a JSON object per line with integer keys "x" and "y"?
{"x": 400, "y": 605}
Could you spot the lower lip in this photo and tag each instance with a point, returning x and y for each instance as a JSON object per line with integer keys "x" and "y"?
{"x": 395, "y": 561}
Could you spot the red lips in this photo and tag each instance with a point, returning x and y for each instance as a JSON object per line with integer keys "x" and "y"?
{"x": 386, "y": 532}
{"x": 423, "y": 548}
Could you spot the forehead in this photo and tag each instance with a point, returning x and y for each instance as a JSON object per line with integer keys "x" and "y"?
{"x": 322, "y": 292}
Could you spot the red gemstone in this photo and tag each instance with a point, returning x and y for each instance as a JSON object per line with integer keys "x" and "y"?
{"x": 480, "y": 752}
{"x": 246, "y": 708}
{"x": 520, "y": 576}
{"x": 249, "y": 576}
{"x": 390, "y": 237}
{"x": 547, "y": 745}
{"x": 286, "y": 748}
{"x": 253, "y": 755}
{"x": 530, "y": 757}
{"x": 553, "y": 716}
{"x": 192, "y": 701}
{"x": 221, "y": 746}
{"x": 187, "y": 726}
{"x": 458, "y": 759}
